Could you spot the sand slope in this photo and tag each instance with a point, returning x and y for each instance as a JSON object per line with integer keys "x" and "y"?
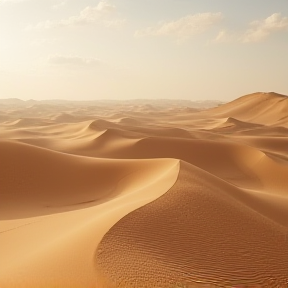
{"x": 202, "y": 231}
{"x": 262, "y": 108}
{"x": 60, "y": 204}
{"x": 144, "y": 194}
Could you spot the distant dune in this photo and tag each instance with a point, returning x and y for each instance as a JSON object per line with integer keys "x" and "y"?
{"x": 139, "y": 193}
{"x": 261, "y": 108}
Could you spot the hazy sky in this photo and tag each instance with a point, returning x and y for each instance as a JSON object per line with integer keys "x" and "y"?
{"x": 121, "y": 49}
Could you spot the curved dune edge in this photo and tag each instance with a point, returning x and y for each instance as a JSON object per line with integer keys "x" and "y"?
{"x": 57, "y": 249}
{"x": 241, "y": 161}
{"x": 255, "y": 108}
{"x": 196, "y": 235}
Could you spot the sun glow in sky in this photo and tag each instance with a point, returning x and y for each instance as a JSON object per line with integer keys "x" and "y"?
{"x": 122, "y": 49}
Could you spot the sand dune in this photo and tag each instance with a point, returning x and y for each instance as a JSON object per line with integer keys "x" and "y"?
{"x": 235, "y": 124}
{"x": 65, "y": 118}
{"x": 196, "y": 233}
{"x": 241, "y": 165}
{"x": 144, "y": 194}
{"x": 69, "y": 180}
{"x": 70, "y": 201}
{"x": 26, "y": 122}
{"x": 261, "y": 108}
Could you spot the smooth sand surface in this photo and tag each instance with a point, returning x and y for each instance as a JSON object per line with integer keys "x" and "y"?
{"x": 139, "y": 194}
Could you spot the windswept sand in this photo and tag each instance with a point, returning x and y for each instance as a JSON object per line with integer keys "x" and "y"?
{"x": 139, "y": 194}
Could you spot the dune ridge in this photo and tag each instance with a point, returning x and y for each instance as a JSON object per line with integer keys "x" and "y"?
{"x": 70, "y": 214}
{"x": 179, "y": 239}
{"x": 259, "y": 108}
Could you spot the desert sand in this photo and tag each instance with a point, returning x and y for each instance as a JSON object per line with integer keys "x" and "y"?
{"x": 143, "y": 193}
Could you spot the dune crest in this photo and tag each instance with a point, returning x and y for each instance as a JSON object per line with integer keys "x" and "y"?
{"x": 260, "y": 108}
{"x": 195, "y": 233}
{"x": 73, "y": 201}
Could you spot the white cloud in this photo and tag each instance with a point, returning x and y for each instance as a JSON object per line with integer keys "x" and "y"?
{"x": 73, "y": 61}
{"x": 88, "y": 15}
{"x": 59, "y": 5}
{"x": 183, "y": 28}
{"x": 224, "y": 37}
{"x": 261, "y": 29}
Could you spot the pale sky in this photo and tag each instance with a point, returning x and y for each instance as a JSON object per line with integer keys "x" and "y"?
{"x": 123, "y": 49}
